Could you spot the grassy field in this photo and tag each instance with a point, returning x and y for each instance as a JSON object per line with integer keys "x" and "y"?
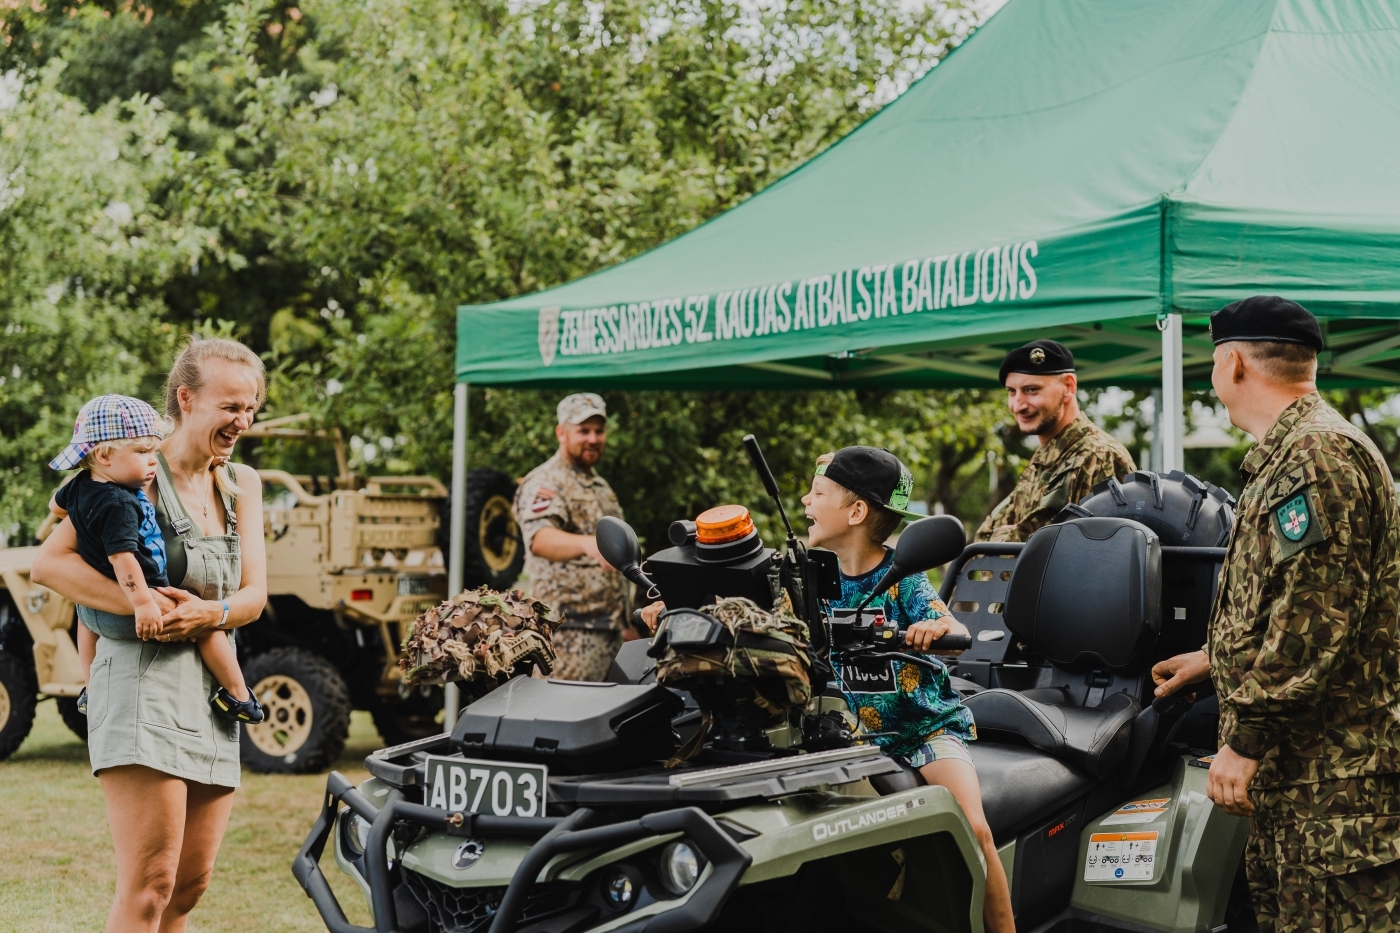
{"x": 56, "y": 863}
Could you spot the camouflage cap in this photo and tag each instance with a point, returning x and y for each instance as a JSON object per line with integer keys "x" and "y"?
{"x": 578, "y": 408}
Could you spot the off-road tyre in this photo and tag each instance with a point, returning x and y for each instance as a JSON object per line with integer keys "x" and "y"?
{"x": 308, "y": 713}
{"x": 18, "y": 694}
{"x": 76, "y": 722}
{"x": 414, "y": 717}
{"x": 494, "y": 549}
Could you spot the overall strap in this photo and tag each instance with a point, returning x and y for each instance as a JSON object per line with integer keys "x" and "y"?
{"x": 170, "y": 501}
{"x": 230, "y": 507}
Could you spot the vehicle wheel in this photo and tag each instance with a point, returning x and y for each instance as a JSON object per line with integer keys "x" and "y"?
{"x": 495, "y": 553}
{"x": 308, "y": 713}
{"x": 416, "y": 717}
{"x": 74, "y": 720}
{"x": 17, "y": 697}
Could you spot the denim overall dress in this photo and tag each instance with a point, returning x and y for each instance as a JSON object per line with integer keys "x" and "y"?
{"x": 148, "y": 701}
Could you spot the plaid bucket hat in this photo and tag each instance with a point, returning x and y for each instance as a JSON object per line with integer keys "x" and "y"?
{"x": 107, "y": 418}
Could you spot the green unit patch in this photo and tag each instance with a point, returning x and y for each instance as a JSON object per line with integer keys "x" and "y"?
{"x": 1294, "y": 517}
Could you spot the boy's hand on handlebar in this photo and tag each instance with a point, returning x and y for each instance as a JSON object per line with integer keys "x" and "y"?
{"x": 651, "y": 615}
{"x": 920, "y": 635}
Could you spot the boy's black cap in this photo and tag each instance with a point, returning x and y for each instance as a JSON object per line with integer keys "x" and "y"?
{"x": 1038, "y": 358}
{"x": 874, "y": 474}
{"x": 1266, "y": 317}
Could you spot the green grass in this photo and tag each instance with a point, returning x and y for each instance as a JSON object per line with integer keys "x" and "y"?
{"x": 57, "y": 868}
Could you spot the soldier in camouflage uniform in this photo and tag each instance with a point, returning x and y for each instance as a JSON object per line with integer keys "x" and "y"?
{"x": 1074, "y": 454}
{"x": 558, "y": 507}
{"x": 1303, "y": 638}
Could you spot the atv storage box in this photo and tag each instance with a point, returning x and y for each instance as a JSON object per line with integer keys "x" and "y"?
{"x": 574, "y": 728}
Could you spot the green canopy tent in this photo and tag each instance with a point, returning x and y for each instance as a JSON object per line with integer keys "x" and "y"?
{"x": 1095, "y": 171}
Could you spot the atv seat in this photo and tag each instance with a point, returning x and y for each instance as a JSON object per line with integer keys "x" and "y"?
{"x": 1020, "y": 786}
{"x": 1103, "y": 629}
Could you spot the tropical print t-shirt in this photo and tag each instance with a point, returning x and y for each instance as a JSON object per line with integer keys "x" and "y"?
{"x": 924, "y": 703}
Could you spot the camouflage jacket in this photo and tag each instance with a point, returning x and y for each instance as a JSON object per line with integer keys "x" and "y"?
{"x": 558, "y": 494}
{"x": 1062, "y": 471}
{"x": 1303, "y": 637}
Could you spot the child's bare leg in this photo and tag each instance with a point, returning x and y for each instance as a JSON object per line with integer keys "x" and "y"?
{"x": 87, "y": 650}
{"x": 961, "y": 778}
{"x": 222, "y": 660}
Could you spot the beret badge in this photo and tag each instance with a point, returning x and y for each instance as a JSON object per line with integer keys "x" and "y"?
{"x": 1037, "y": 356}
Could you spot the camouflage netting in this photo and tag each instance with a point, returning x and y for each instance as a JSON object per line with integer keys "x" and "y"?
{"x": 769, "y": 655}
{"x": 478, "y": 636}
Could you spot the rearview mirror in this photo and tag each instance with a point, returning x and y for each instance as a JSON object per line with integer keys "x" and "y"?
{"x": 617, "y": 542}
{"x": 924, "y": 544}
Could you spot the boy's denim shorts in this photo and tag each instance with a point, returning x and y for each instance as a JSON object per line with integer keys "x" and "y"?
{"x": 108, "y": 624}
{"x": 940, "y": 748}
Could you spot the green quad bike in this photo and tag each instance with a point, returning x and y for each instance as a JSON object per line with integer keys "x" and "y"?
{"x": 547, "y": 808}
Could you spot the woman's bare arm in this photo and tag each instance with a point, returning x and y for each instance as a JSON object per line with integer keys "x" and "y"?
{"x": 60, "y": 567}
{"x": 193, "y": 616}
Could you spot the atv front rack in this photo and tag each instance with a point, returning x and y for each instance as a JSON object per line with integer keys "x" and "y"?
{"x": 557, "y": 835}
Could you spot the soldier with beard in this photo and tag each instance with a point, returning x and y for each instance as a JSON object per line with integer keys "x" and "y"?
{"x": 1074, "y": 453}
{"x": 558, "y": 507}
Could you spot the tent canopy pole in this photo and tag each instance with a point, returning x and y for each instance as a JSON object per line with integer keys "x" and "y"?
{"x": 1172, "y": 418}
{"x": 457, "y": 530}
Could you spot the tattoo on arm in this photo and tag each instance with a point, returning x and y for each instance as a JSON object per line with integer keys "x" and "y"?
{"x": 130, "y": 583}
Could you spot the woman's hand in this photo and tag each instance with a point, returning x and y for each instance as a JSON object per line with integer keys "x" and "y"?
{"x": 920, "y": 635}
{"x": 189, "y": 617}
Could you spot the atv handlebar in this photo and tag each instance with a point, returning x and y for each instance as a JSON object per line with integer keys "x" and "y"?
{"x": 949, "y": 642}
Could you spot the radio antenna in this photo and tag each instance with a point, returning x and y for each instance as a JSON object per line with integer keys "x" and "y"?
{"x": 766, "y": 476}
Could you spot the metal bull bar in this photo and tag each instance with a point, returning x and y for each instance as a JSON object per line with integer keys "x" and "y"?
{"x": 556, "y": 835}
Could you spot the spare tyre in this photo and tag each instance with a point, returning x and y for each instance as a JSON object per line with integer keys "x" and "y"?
{"x": 1183, "y": 510}
{"x": 494, "y": 552}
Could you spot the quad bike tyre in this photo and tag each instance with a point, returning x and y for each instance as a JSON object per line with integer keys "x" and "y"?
{"x": 495, "y": 551}
{"x": 17, "y": 698}
{"x": 308, "y": 713}
{"x": 76, "y": 722}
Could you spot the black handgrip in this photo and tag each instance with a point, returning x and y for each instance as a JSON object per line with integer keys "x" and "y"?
{"x": 950, "y": 642}
{"x": 1172, "y": 700}
{"x": 765, "y": 475}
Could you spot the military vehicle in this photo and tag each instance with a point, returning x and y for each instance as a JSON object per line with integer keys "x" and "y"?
{"x": 548, "y": 806}
{"x": 351, "y": 562}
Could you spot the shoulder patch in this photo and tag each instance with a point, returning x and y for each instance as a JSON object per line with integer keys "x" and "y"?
{"x": 1295, "y": 523}
{"x": 543, "y": 499}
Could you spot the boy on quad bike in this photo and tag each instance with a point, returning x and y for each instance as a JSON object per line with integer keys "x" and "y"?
{"x": 856, "y": 502}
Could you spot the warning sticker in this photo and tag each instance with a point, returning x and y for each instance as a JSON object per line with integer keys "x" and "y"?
{"x": 1139, "y": 811}
{"x": 1121, "y": 857}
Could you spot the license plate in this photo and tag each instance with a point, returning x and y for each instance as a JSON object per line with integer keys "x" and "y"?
{"x": 868, "y": 675}
{"x": 487, "y": 788}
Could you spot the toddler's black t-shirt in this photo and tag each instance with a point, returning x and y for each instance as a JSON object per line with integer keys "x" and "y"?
{"x": 109, "y": 518}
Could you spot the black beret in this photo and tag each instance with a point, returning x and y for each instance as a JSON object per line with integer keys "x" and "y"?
{"x": 1038, "y": 358}
{"x": 1266, "y": 317}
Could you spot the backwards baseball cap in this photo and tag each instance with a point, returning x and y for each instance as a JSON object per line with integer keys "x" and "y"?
{"x": 874, "y": 474}
{"x": 578, "y": 408}
{"x": 108, "y": 418}
{"x": 1266, "y": 317}
{"x": 1038, "y": 358}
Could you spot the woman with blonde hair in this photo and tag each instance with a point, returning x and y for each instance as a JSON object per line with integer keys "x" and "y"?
{"x": 167, "y": 764}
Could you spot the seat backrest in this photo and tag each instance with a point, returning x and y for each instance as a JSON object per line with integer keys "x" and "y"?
{"x": 1087, "y": 594}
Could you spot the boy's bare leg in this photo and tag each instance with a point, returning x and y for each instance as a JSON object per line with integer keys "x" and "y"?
{"x": 87, "y": 650}
{"x": 961, "y": 778}
{"x": 222, "y": 660}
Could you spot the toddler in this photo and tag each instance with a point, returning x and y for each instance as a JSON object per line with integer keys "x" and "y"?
{"x": 115, "y": 442}
{"x": 858, "y": 498}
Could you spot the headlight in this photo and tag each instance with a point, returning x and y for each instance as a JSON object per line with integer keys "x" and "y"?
{"x": 356, "y": 832}
{"x": 679, "y": 868}
{"x": 620, "y": 887}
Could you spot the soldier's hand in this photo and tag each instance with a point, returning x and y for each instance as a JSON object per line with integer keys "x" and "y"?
{"x": 651, "y": 615}
{"x": 1180, "y": 671}
{"x": 1227, "y": 785}
{"x": 590, "y": 547}
{"x": 922, "y": 634}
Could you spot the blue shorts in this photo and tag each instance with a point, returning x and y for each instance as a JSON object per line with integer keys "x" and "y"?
{"x": 940, "y": 748}
{"x": 108, "y": 624}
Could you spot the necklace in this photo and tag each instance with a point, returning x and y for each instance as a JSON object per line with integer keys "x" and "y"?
{"x": 204, "y": 493}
